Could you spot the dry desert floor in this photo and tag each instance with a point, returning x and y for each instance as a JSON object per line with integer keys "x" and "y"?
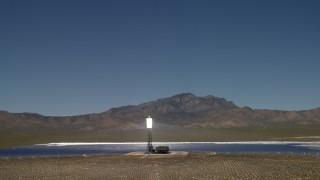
{"x": 190, "y": 166}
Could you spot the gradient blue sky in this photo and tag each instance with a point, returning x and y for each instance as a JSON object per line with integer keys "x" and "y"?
{"x": 75, "y": 57}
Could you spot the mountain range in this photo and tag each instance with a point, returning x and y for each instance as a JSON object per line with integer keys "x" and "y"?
{"x": 183, "y": 110}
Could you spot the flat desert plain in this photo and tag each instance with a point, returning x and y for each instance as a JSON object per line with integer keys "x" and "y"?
{"x": 190, "y": 166}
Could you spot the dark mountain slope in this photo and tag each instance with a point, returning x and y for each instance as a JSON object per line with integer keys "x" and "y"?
{"x": 182, "y": 110}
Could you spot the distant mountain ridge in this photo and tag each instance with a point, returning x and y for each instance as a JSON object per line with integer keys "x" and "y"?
{"x": 182, "y": 110}
{"x": 181, "y": 103}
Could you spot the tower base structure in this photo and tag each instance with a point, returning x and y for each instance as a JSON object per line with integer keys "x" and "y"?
{"x": 149, "y": 148}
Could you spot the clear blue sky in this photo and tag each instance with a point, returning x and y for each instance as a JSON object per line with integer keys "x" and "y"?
{"x": 75, "y": 57}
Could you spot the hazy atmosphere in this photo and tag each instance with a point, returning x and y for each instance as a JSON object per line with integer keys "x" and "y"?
{"x": 76, "y": 57}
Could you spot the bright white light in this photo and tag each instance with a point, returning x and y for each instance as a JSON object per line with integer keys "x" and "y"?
{"x": 149, "y": 122}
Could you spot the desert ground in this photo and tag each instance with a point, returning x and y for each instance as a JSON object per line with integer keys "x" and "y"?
{"x": 190, "y": 166}
{"x": 14, "y": 138}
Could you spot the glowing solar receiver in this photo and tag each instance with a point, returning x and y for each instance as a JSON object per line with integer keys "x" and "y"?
{"x": 149, "y": 122}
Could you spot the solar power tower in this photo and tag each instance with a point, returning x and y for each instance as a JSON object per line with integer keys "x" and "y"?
{"x": 149, "y": 148}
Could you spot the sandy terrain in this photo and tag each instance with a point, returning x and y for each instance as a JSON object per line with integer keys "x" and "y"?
{"x": 190, "y": 166}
